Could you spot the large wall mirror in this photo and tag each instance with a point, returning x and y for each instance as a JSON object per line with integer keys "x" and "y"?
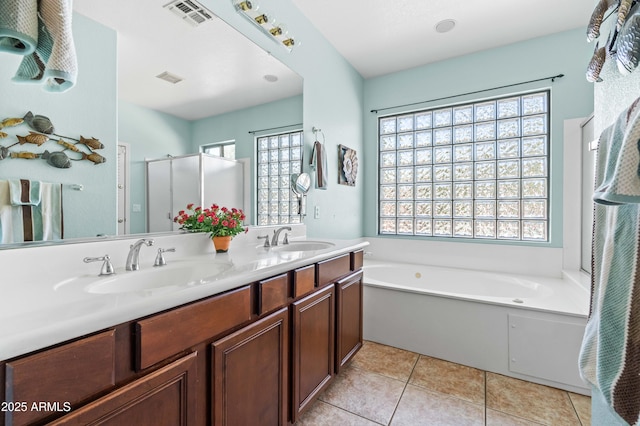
{"x": 230, "y": 89}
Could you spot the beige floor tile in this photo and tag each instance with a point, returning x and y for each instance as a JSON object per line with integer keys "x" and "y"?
{"x": 449, "y": 378}
{"x": 496, "y": 418}
{"x": 366, "y": 394}
{"x": 323, "y": 414}
{"x": 582, "y": 404}
{"x": 530, "y": 401}
{"x": 419, "y": 406}
{"x": 386, "y": 360}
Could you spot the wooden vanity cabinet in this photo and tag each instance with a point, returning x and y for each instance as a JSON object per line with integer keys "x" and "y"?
{"x": 166, "y": 397}
{"x": 273, "y": 293}
{"x": 250, "y": 374}
{"x": 348, "y": 318}
{"x": 63, "y": 377}
{"x": 304, "y": 281}
{"x": 257, "y": 354}
{"x": 312, "y": 347}
{"x": 163, "y": 335}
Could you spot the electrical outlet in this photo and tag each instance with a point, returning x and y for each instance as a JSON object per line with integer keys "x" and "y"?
{"x": 316, "y": 212}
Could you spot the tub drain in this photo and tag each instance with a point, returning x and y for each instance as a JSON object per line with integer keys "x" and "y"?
{"x": 518, "y": 301}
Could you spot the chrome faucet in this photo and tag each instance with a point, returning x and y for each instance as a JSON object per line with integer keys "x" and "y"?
{"x": 134, "y": 254}
{"x": 276, "y": 234}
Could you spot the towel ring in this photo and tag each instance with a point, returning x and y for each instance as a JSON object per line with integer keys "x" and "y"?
{"x": 315, "y": 131}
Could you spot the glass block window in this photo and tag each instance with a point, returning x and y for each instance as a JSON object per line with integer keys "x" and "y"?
{"x": 477, "y": 170}
{"x": 278, "y": 157}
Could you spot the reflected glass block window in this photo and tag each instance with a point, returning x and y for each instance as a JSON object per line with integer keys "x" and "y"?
{"x": 475, "y": 170}
{"x": 221, "y": 149}
{"x": 278, "y": 157}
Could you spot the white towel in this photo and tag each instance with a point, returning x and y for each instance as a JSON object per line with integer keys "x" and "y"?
{"x": 18, "y": 26}
{"x": 54, "y": 61}
{"x": 27, "y": 222}
{"x": 51, "y": 209}
{"x": 6, "y": 214}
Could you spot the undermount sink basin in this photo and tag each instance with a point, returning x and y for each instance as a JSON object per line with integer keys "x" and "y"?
{"x": 164, "y": 277}
{"x": 178, "y": 274}
{"x": 305, "y": 246}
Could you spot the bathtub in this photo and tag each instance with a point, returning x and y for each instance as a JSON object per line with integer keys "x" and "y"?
{"x": 520, "y": 326}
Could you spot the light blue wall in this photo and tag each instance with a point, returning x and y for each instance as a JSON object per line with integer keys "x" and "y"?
{"x": 333, "y": 102}
{"x": 88, "y": 109}
{"x": 571, "y": 97}
{"x": 237, "y": 125}
{"x": 150, "y": 134}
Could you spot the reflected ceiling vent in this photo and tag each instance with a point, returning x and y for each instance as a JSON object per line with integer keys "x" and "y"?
{"x": 190, "y": 11}
{"x": 171, "y": 78}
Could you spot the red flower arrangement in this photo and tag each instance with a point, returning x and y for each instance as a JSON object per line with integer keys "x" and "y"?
{"x": 217, "y": 221}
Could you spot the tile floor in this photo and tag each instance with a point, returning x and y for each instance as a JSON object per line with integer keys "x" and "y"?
{"x": 388, "y": 386}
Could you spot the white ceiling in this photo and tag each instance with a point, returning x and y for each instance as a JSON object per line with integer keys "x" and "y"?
{"x": 224, "y": 71}
{"x": 382, "y": 36}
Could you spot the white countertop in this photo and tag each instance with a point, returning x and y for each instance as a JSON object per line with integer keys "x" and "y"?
{"x": 40, "y": 308}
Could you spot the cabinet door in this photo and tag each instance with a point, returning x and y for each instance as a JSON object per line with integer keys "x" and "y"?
{"x": 250, "y": 374}
{"x": 63, "y": 376}
{"x": 348, "y": 318}
{"x": 164, "y": 397}
{"x": 313, "y": 326}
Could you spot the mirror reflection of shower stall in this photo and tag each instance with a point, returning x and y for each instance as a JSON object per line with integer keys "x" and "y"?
{"x": 202, "y": 179}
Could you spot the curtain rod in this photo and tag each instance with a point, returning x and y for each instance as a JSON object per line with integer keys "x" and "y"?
{"x": 275, "y": 128}
{"x": 552, "y": 78}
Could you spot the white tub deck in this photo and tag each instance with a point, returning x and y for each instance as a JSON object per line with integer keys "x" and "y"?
{"x": 521, "y": 326}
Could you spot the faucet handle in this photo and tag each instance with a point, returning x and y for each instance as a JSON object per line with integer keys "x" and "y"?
{"x": 160, "y": 261}
{"x": 266, "y": 240}
{"x": 107, "y": 266}
{"x": 286, "y": 238}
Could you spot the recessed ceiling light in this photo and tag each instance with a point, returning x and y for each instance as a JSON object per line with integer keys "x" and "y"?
{"x": 445, "y": 25}
{"x": 270, "y": 78}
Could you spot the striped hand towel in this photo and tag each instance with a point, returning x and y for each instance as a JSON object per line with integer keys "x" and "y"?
{"x": 31, "y": 222}
{"x": 610, "y": 352}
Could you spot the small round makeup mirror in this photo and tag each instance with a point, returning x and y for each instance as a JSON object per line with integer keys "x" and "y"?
{"x": 300, "y": 184}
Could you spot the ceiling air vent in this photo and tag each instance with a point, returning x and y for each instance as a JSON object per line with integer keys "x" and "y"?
{"x": 171, "y": 78}
{"x": 190, "y": 11}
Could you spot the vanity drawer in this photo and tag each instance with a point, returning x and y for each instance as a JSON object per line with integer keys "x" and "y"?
{"x": 357, "y": 260}
{"x": 164, "y": 335}
{"x": 273, "y": 293}
{"x": 67, "y": 374}
{"x": 304, "y": 280}
{"x": 332, "y": 269}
